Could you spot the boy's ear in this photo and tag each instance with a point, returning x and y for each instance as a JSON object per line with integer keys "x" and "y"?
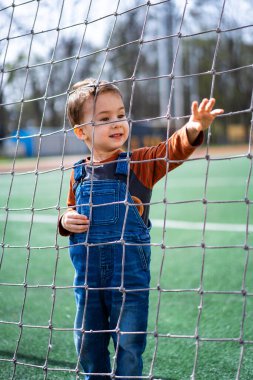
{"x": 79, "y": 132}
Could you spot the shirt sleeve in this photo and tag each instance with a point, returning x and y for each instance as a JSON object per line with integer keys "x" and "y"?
{"x": 71, "y": 201}
{"x": 150, "y": 164}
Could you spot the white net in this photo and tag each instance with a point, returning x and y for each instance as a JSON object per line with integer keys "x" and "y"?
{"x": 162, "y": 55}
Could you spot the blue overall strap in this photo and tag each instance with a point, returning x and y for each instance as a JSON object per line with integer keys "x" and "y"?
{"x": 79, "y": 173}
{"x": 122, "y": 164}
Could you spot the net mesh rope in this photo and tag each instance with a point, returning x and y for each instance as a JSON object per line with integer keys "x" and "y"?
{"x": 63, "y": 170}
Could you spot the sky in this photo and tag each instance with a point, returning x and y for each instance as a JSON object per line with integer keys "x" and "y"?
{"x": 44, "y": 17}
{"x": 28, "y": 16}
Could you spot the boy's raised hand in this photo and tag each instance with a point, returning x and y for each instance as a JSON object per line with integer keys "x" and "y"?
{"x": 203, "y": 114}
{"x": 202, "y": 117}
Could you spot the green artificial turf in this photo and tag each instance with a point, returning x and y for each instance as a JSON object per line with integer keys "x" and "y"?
{"x": 183, "y": 261}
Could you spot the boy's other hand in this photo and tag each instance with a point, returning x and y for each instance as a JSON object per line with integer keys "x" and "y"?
{"x": 74, "y": 222}
{"x": 202, "y": 117}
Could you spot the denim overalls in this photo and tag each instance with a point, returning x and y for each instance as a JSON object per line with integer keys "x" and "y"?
{"x": 112, "y": 276}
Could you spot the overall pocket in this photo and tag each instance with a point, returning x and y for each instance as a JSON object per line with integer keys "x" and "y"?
{"x": 104, "y": 209}
{"x": 145, "y": 254}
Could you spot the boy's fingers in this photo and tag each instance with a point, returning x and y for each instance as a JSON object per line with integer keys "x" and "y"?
{"x": 203, "y": 104}
{"x": 194, "y": 107}
{"x": 210, "y": 104}
{"x": 75, "y": 215}
{"x": 217, "y": 112}
{"x": 75, "y": 228}
{"x": 78, "y": 221}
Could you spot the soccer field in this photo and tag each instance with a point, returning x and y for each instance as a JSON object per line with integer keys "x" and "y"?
{"x": 201, "y": 298}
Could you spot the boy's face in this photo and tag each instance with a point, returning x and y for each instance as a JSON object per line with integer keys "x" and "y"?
{"x": 110, "y": 130}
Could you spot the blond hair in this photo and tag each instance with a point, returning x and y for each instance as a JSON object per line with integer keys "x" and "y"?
{"x": 83, "y": 90}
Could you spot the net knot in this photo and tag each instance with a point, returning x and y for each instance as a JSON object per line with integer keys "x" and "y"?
{"x": 244, "y": 292}
{"x": 122, "y": 289}
{"x": 201, "y": 292}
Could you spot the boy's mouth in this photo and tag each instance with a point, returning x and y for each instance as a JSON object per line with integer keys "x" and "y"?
{"x": 115, "y": 135}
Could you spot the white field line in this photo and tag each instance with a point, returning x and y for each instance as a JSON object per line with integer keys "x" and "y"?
{"x": 158, "y": 223}
{"x": 212, "y": 182}
{"x": 183, "y": 225}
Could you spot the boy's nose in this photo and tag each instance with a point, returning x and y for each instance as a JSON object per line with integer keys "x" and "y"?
{"x": 115, "y": 124}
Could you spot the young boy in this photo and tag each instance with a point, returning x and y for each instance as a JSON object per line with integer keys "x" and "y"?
{"x": 107, "y": 220}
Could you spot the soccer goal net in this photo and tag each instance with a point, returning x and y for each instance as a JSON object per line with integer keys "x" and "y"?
{"x": 162, "y": 55}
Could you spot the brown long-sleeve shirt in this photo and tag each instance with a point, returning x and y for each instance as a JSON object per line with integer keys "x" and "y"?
{"x": 147, "y": 166}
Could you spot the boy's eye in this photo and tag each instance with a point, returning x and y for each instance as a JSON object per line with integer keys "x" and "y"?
{"x": 121, "y": 116}
{"x": 104, "y": 119}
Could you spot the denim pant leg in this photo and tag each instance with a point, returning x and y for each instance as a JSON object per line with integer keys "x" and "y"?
{"x": 93, "y": 346}
{"x": 131, "y": 340}
{"x": 131, "y": 345}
